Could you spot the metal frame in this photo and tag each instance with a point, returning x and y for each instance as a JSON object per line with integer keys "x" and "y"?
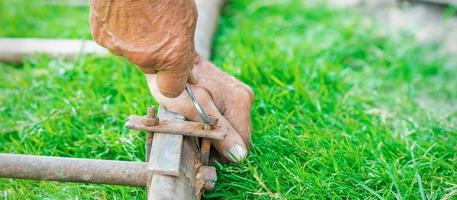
{"x": 188, "y": 181}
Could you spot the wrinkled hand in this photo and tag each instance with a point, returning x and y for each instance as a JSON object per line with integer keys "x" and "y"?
{"x": 222, "y": 96}
{"x": 157, "y": 36}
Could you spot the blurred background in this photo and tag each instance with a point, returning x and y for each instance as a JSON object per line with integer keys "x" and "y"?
{"x": 428, "y": 20}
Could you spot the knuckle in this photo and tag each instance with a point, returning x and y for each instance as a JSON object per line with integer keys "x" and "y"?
{"x": 245, "y": 94}
{"x": 250, "y": 93}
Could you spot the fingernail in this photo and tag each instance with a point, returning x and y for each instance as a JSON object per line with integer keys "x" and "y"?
{"x": 236, "y": 153}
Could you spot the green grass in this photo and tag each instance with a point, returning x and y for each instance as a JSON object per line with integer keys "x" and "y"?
{"x": 20, "y": 18}
{"x": 343, "y": 109}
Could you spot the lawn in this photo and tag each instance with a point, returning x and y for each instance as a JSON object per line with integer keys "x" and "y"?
{"x": 343, "y": 108}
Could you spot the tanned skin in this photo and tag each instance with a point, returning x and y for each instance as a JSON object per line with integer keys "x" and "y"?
{"x": 158, "y": 37}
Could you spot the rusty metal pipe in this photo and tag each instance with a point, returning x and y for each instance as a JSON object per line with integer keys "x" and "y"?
{"x": 73, "y": 170}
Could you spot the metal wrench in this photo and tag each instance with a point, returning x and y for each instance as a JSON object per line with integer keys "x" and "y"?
{"x": 198, "y": 107}
{"x": 205, "y": 145}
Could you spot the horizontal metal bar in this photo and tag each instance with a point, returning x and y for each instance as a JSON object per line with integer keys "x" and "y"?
{"x": 14, "y": 49}
{"x": 73, "y": 170}
{"x": 187, "y": 128}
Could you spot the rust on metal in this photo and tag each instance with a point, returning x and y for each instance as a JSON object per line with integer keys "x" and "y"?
{"x": 165, "y": 158}
{"x": 186, "y": 186}
{"x": 150, "y": 119}
{"x": 149, "y": 137}
{"x": 187, "y": 128}
{"x": 205, "y": 150}
{"x": 206, "y": 177}
{"x": 73, "y": 170}
{"x": 206, "y": 143}
{"x": 183, "y": 186}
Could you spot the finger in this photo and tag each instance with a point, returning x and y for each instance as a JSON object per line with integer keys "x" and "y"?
{"x": 238, "y": 112}
{"x": 172, "y": 83}
{"x": 232, "y": 146}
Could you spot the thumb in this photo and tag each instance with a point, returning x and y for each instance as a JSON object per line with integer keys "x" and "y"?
{"x": 172, "y": 83}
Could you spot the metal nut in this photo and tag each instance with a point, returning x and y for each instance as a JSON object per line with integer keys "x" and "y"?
{"x": 150, "y": 122}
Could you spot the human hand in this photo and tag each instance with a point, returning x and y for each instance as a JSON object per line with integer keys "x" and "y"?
{"x": 220, "y": 95}
{"x": 157, "y": 36}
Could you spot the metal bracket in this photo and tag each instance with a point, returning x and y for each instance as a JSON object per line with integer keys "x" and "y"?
{"x": 151, "y": 124}
{"x": 187, "y": 128}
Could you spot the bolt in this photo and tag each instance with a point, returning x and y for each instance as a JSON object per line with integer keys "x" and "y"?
{"x": 151, "y": 111}
{"x": 150, "y": 119}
